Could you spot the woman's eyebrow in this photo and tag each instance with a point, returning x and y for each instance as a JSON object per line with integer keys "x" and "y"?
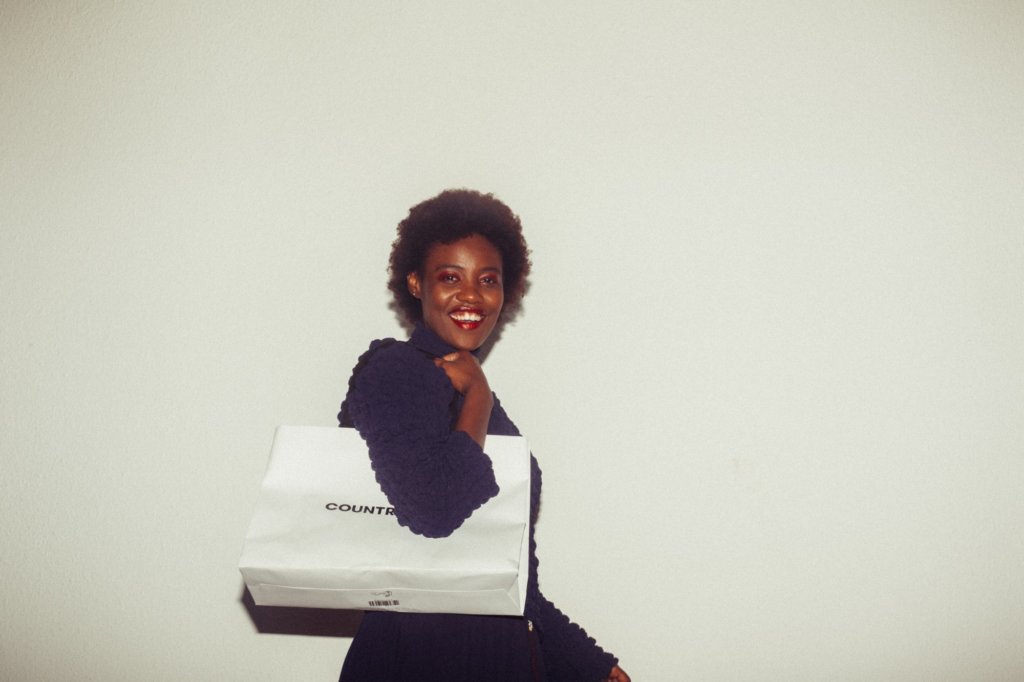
{"x": 452, "y": 266}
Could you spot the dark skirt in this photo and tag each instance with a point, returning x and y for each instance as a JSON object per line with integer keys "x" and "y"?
{"x": 400, "y": 647}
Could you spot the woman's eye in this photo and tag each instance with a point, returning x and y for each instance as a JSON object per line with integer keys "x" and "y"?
{"x": 449, "y": 277}
{"x": 491, "y": 281}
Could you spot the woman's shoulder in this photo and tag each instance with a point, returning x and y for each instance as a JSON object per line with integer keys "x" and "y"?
{"x": 393, "y": 380}
{"x": 378, "y": 346}
{"x": 385, "y": 351}
{"x": 391, "y": 360}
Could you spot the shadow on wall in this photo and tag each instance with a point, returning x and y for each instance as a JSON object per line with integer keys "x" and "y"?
{"x": 290, "y": 620}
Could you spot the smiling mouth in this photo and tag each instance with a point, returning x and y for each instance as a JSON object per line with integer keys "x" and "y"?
{"x": 467, "y": 318}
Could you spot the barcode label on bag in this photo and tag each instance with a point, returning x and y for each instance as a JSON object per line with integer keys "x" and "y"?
{"x": 384, "y": 602}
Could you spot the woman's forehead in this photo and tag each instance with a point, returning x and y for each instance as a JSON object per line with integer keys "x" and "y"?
{"x": 472, "y": 250}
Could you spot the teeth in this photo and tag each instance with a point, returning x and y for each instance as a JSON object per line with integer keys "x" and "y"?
{"x": 466, "y": 316}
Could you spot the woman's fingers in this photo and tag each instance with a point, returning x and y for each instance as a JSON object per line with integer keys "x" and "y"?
{"x": 618, "y": 675}
{"x": 451, "y": 357}
{"x": 463, "y": 370}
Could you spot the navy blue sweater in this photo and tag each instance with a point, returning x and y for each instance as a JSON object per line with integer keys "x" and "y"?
{"x": 435, "y": 477}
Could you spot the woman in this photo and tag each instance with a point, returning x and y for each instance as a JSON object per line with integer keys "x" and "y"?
{"x": 425, "y": 408}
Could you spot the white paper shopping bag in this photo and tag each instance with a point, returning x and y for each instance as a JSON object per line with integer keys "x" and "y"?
{"x": 324, "y": 535}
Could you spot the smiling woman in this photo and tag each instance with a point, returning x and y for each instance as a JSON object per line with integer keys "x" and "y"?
{"x": 460, "y": 290}
{"x": 425, "y": 408}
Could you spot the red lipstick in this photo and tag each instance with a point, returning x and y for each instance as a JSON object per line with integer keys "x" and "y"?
{"x": 467, "y": 317}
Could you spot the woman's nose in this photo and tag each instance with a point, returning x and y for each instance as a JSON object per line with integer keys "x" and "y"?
{"x": 469, "y": 292}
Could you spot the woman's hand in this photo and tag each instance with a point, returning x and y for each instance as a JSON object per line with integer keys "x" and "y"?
{"x": 464, "y": 371}
{"x": 467, "y": 377}
{"x": 617, "y": 675}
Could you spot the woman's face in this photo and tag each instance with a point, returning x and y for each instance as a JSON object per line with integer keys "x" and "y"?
{"x": 461, "y": 290}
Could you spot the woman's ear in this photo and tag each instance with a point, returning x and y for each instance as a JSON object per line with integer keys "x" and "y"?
{"x": 412, "y": 280}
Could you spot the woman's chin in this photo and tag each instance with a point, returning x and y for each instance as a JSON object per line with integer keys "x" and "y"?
{"x": 466, "y": 337}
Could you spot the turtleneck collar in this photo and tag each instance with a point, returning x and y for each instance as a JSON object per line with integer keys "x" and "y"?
{"x": 424, "y": 338}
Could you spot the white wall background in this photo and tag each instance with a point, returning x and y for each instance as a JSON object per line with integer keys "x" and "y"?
{"x": 771, "y": 361}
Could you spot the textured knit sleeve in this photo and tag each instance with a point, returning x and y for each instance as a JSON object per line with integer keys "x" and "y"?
{"x": 570, "y": 654}
{"x": 433, "y": 476}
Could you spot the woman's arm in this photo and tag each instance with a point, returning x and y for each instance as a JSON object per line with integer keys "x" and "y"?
{"x": 569, "y": 652}
{"x": 433, "y": 475}
{"x": 467, "y": 377}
